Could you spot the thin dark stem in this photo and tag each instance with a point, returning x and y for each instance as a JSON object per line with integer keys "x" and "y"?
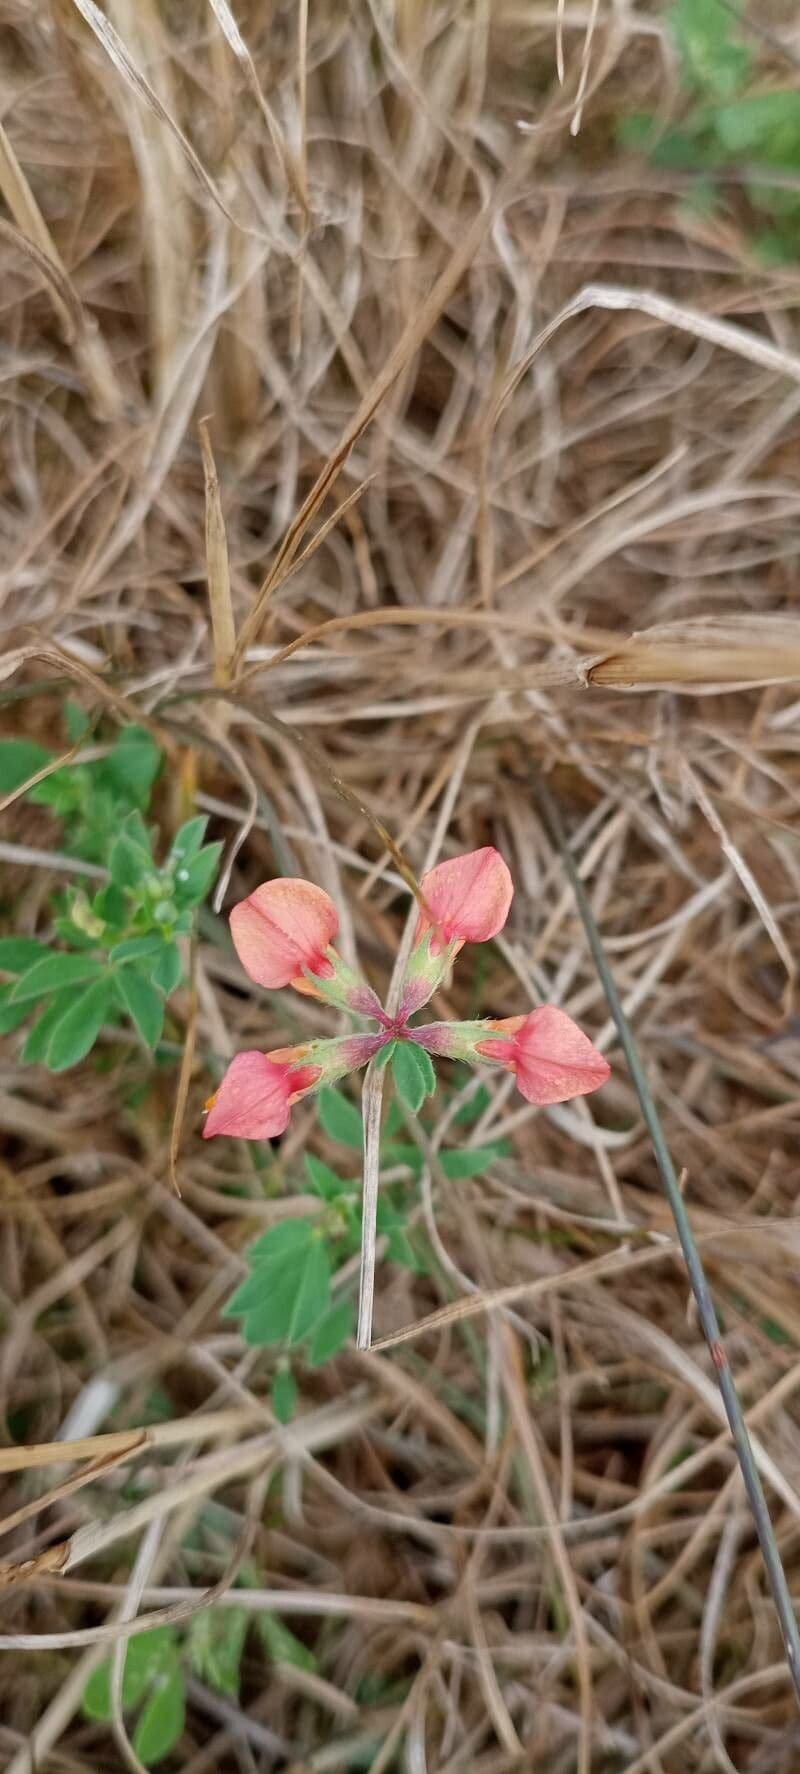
{"x": 700, "y": 1288}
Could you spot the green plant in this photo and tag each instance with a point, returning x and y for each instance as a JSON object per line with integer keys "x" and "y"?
{"x": 211, "y": 1647}
{"x": 289, "y": 1301}
{"x": 727, "y": 126}
{"x": 118, "y": 957}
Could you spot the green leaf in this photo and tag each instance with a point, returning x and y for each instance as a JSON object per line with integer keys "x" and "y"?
{"x": 187, "y": 840}
{"x": 137, "y": 948}
{"x": 281, "y": 1243}
{"x": 340, "y": 1118}
{"x": 313, "y": 1292}
{"x": 400, "y": 1250}
{"x": 384, "y": 1055}
{"x": 712, "y": 56}
{"x": 766, "y": 127}
{"x": 145, "y": 1006}
{"x": 18, "y": 953}
{"x": 147, "y": 1655}
{"x": 162, "y": 1721}
{"x": 133, "y": 765}
{"x": 282, "y": 1301}
{"x": 322, "y": 1179}
{"x": 216, "y": 1643}
{"x": 474, "y": 1161}
{"x": 11, "y": 1015}
{"x": 423, "y": 1060}
{"x": 127, "y": 862}
{"x": 35, "y": 1049}
{"x": 19, "y": 759}
{"x": 79, "y": 1028}
{"x": 413, "y": 1074}
{"x": 281, "y": 1645}
{"x": 193, "y": 878}
{"x": 168, "y": 970}
{"x": 110, "y": 905}
{"x": 331, "y": 1333}
{"x": 53, "y": 974}
{"x": 284, "y": 1395}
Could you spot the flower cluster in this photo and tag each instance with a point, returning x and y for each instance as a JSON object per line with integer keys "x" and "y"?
{"x": 283, "y": 934}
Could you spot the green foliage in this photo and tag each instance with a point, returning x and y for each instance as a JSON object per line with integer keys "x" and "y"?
{"x": 215, "y": 1644}
{"x": 120, "y": 959}
{"x": 728, "y": 125}
{"x": 340, "y": 1119}
{"x": 413, "y": 1073}
{"x": 712, "y": 55}
{"x": 152, "y": 1681}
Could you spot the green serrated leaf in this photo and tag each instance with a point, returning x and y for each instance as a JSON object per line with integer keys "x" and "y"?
{"x": 144, "y": 1004}
{"x": 162, "y": 1720}
{"x": 168, "y": 970}
{"x": 340, "y": 1118}
{"x": 19, "y": 953}
{"x": 216, "y": 1643}
{"x": 473, "y": 1161}
{"x": 412, "y": 1072}
{"x": 54, "y": 974}
{"x": 79, "y": 1027}
{"x": 192, "y": 879}
{"x": 284, "y": 1395}
{"x": 19, "y": 759}
{"x": 330, "y": 1333}
{"x": 322, "y": 1179}
{"x": 281, "y": 1645}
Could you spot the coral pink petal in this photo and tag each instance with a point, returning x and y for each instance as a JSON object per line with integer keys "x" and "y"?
{"x": 284, "y": 926}
{"x": 252, "y": 1102}
{"x": 554, "y": 1060}
{"x": 467, "y": 898}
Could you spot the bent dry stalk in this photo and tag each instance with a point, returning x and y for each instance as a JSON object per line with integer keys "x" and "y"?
{"x": 705, "y": 1305}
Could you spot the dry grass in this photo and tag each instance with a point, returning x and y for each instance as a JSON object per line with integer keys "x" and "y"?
{"x": 516, "y": 1537}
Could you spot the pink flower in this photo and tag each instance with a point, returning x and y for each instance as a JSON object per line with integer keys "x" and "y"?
{"x": 552, "y": 1058}
{"x": 256, "y": 1094}
{"x": 282, "y": 932}
{"x": 465, "y": 900}
{"x": 283, "y": 935}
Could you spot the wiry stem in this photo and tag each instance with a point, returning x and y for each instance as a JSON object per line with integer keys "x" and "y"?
{"x": 700, "y": 1288}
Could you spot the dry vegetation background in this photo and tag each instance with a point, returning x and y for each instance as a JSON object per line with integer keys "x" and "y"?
{"x": 518, "y": 1542}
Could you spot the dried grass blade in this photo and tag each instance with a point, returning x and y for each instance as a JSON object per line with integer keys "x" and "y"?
{"x": 706, "y": 1310}
{"x": 744, "y": 873}
{"x": 407, "y": 345}
{"x": 134, "y": 78}
{"x": 223, "y": 627}
{"x": 80, "y": 329}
